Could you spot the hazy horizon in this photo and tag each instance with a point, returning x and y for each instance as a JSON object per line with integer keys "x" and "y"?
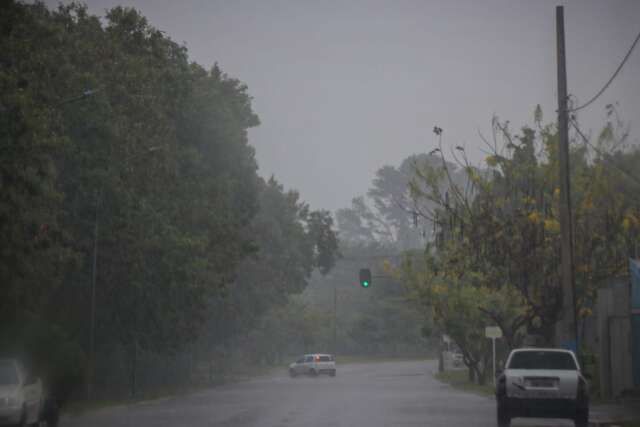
{"x": 343, "y": 88}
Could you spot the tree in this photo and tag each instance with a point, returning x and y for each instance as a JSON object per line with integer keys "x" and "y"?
{"x": 151, "y": 168}
{"x": 30, "y": 202}
{"x": 504, "y": 233}
{"x": 291, "y": 242}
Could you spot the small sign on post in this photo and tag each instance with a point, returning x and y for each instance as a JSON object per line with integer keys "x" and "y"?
{"x": 493, "y": 332}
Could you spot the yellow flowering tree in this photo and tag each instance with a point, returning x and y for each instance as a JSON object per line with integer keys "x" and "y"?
{"x": 502, "y": 228}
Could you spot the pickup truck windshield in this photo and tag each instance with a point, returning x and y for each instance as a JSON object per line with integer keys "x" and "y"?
{"x": 8, "y": 374}
{"x": 542, "y": 360}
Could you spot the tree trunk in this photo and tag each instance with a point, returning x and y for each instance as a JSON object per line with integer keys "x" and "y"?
{"x": 481, "y": 375}
{"x": 134, "y": 368}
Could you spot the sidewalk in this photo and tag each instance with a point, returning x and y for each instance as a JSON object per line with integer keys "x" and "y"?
{"x": 612, "y": 414}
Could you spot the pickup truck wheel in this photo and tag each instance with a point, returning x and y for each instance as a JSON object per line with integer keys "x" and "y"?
{"x": 582, "y": 418}
{"x": 39, "y": 422}
{"x": 23, "y": 418}
{"x": 333, "y": 373}
{"x": 314, "y": 373}
{"x": 504, "y": 419}
{"x": 50, "y": 413}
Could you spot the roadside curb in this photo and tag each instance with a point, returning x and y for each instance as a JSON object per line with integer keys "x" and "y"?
{"x": 610, "y": 423}
{"x": 615, "y": 414}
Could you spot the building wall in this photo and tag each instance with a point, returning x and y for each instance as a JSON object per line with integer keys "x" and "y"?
{"x": 614, "y": 340}
{"x": 634, "y": 267}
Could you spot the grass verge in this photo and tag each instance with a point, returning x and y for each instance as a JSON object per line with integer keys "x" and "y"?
{"x": 347, "y": 360}
{"x": 459, "y": 379}
{"x": 78, "y": 407}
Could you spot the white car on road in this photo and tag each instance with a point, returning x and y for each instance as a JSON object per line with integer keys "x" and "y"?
{"x": 542, "y": 383}
{"x": 21, "y": 396}
{"x": 314, "y": 364}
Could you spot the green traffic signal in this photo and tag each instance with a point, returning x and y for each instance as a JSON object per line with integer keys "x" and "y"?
{"x": 365, "y": 277}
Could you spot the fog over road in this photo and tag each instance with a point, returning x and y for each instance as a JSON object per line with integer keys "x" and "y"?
{"x": 361, "y": 395}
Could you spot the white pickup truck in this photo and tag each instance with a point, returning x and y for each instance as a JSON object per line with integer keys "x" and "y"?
{"x": 542, "y": 383}
{"x": 21, "y": 396}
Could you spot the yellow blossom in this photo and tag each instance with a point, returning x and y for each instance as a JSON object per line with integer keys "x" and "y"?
{"x": 583, "y": 268}
{"x": 585, "y": 312}
{"x": 630, "y": 221}
{"x": 551, "y": 225}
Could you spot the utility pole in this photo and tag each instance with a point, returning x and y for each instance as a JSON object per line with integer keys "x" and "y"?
{"x": 92, "y": 330}
{"x": 94, "y": 270}
{"x": 91, "y": 362}
{"x": 567, "y": 330}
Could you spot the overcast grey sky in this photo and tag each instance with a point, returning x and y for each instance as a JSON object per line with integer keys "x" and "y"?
{"x": 344, "y": 87}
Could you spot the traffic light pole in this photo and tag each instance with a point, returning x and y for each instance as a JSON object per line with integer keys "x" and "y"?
{"x": 335, "y": 318}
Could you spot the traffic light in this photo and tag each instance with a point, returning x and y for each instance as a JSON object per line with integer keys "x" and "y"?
{"x": 365, "y": 277}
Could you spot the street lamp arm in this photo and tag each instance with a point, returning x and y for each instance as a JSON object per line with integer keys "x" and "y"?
{"x": 85, "y": 94}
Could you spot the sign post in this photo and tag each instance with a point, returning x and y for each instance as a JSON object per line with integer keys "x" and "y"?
{"x": 493, "y": 332}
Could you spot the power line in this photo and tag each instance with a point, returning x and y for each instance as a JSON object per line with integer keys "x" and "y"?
{"x": 597, "y": 95}
{"x": 615, "y": 74}
{"x": 586, "y": 140}
{"x": 369, "y": 257}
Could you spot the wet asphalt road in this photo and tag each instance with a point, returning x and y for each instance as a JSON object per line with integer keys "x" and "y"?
{"x": 386, "y": 394}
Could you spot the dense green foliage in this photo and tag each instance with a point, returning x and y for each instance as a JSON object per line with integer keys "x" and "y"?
{"x": 114, "y": 145}
{"x": 334, "y": 313}
{"x": 496, "y": 256}
{"x": 377, "y": 320}
{"x": 375, "y": 232}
